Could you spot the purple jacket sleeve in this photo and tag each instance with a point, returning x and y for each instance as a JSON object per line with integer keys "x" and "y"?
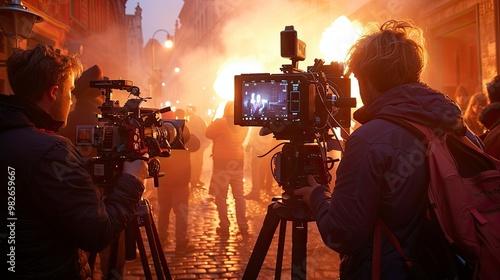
{"x": 346, "y": 218}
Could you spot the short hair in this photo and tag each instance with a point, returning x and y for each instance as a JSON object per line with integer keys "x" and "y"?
{"x": 493, "y": 88}
{"x": 393, "y": 55}
{"x": 34, "y": 71}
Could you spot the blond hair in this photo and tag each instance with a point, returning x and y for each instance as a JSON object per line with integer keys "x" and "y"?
{"x": 391, "y": 56}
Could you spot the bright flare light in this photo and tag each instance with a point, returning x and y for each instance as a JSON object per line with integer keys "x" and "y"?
{"x": 224, "y": 83}
{"x": 335, "y": 43}
{"x": 338, "y": 38}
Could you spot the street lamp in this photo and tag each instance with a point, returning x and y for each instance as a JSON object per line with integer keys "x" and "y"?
{"x": 156, "y": 77}
{"x": 169, "y": 43}
{"x": 17, "y": 22}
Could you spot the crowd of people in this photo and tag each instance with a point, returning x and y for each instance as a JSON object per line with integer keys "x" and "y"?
{"x": 63, "y": 219}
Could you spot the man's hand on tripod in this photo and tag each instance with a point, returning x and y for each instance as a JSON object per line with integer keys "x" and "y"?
{"x": 305, "y": 192}
{"x": 138, "y": 167}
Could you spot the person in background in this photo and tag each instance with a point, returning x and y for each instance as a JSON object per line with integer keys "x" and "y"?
{"x": 198, "y": 127}
{"x": 262, "y": 178}
{"x": 86, "y": 108}
{"x": 378, "y": 178}
{"x": 88, "y": 100}
{"x": 228, "y": 163}
{"x": 490, "y": 118}
{"x": 471, "y": 117}
{"x": 462, "y": 97}
{"x": 173, "y": 190}
{"x": 59, "y": 212}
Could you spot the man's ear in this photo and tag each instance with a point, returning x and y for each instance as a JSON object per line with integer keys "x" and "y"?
{"x": 53, "y": 92}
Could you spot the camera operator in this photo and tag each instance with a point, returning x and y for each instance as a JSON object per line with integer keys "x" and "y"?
{"x": 379, "y": 176}
{"x": 56, "y": 209}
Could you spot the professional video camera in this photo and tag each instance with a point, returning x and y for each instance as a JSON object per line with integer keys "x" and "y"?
{"x": 299, "y": 106}
{"x": 128, "y": 133}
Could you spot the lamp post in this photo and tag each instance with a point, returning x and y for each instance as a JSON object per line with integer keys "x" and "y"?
{"x": 156, "y": 73}
{"x": 17, "y": 22}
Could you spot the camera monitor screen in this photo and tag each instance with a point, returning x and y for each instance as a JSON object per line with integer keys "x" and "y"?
{"x": 263, "y": 98}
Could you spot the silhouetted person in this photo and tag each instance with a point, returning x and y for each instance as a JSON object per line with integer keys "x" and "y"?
{"x": 86, "y": 108}
{"x": 173, "y": 190}
{"x": 197, "y": 127}
{"x": 228, "y": 162}
{"x": 490, "y": 117}
{"x": 262, "y": 178}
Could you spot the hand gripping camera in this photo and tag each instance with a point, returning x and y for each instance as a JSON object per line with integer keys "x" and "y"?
{"x": 128, "y": 132}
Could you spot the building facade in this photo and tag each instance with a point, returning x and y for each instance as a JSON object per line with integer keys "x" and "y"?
{"x": 99, "y": 31}
{"x": 461, "y": 36}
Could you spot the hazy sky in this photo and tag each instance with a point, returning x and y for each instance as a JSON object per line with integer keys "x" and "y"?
{"x": 156, "y": 14}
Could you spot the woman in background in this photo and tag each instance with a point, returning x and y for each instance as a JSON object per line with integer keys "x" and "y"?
{"x": 471, "y": 116}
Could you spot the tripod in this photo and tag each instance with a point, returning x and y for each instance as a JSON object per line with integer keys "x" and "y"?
{"x": 133, "y": 236}
{"x": 280, "y": 212}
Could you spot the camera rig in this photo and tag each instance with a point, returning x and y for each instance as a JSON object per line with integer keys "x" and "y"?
{"x": 128, "y": 133}
{"x": 300, "y": 106}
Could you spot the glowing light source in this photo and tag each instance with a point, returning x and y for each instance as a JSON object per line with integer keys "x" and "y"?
{"x": 338, "y": 38}
{"x": 224, "y": 83}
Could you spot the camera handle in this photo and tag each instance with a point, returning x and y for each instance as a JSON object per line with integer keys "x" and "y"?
{"x": 154, "y": 171}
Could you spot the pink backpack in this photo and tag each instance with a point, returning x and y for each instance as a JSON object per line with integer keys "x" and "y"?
{"x": 464, "y": 194}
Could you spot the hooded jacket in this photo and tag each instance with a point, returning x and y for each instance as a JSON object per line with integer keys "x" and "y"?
{"x": 383, "y": 173}
{"x": 56, "y": 209}
{"x": 490, "y": 117}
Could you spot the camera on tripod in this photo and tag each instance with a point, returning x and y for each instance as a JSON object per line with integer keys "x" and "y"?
{"x": 300, "y": 106}
{"x": 128, "y": 133}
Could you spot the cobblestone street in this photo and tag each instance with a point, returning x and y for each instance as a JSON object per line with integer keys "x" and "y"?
{"x": 214, "y": 257}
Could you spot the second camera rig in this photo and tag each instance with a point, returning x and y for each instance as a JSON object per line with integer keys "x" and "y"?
{"x": 127, "y": 133}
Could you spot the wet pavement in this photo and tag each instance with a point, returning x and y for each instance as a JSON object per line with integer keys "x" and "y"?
{"x": 214, "y": 257}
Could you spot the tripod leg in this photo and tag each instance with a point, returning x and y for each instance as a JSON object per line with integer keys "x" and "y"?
{"x": 299, "y": 250}
{"x": 157, "y": 254}
{"x": 163, "y": 260}
{"x": 281, "y": 248}
{"x": 262, "y": 244}
{"x": 142, "y": 253}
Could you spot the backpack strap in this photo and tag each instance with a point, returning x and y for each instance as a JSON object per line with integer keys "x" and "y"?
{"x": 380, "y": 226}
{"x": 377, "y": 251}
{"x": 421, "y": 132}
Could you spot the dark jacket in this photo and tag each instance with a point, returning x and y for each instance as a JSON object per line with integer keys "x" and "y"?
{"x": 58, "y": 210}
{"x": 383, "y": 173}
{"x": 490, "y": 117}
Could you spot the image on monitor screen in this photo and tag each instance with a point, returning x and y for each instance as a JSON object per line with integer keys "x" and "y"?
{"x": 265, "y": 100}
